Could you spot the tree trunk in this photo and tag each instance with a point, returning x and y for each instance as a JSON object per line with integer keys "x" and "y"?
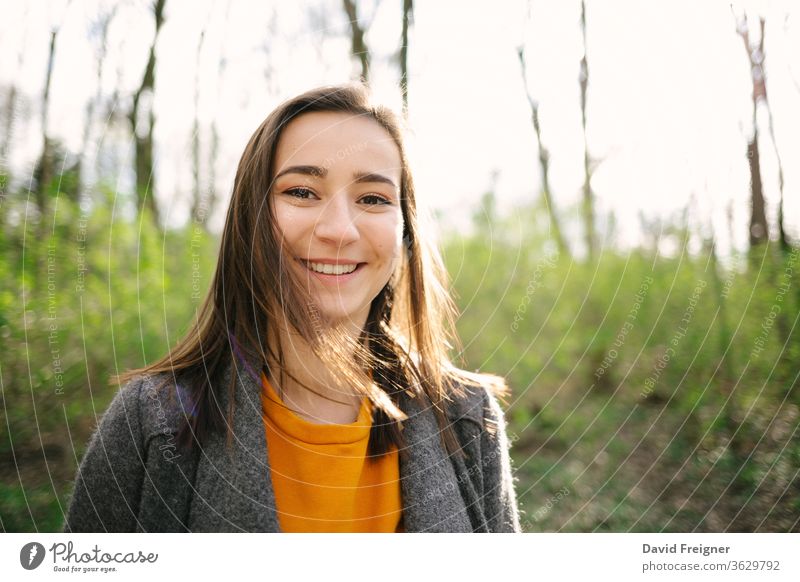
{"x": 782, "y": 239}
{"x": 588, "y": 197}
{"x": 759, "y": 231}
{"x": 44, "y": 167}
{"x": 101, "y": 49}
{"x": 5, "y": 167}
{"x": 8, "y": 124}
{"x": 544, "y": 163}
{"x": 358, "y": 44}
{"x": 758, "y": 218}
{"x": 408, "y": 15}
{"x": 198, "y": 206}
{"x": 145, "y": 178}
{"x": 213, "y": 151}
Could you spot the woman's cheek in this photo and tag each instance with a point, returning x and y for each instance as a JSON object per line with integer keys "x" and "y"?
{"x": 391, "y": 230}
{"x": 292, "y": 220}
{"x": 283, "y": 214}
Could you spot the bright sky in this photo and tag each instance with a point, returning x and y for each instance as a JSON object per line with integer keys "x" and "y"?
{"x": 669, "y": 109}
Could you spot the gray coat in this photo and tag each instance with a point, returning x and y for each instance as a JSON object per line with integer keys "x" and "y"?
{"x": 133, "y": 478}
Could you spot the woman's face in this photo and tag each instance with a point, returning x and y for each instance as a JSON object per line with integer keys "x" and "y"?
{"x": 336, "y": 198}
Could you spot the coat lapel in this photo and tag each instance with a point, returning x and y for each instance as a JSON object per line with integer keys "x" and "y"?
{"x": 431, "y": 496}
{"x": 233, "y": 487}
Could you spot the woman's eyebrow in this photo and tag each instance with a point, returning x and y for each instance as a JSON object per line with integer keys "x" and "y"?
{"x": 316, "y": 171}
{"x": 320, "y": 172}
{"x": 361, "y": 177}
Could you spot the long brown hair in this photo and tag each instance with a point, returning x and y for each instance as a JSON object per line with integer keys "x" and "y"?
{"x": 409, "y": 329}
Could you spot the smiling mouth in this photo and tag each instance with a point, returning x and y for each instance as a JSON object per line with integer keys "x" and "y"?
{"x": 328, "y": 269}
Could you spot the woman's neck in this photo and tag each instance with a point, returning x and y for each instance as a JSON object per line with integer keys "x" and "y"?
{"x": 309, "y": 388}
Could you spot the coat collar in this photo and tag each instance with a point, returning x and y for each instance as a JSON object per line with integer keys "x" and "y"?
{"x": 233, "y": 486}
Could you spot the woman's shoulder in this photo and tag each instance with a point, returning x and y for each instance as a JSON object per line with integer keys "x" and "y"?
{"x": 155, "y": 403}
{"x": 474, "y": 395}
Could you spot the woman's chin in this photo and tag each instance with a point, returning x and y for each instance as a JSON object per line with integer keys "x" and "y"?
{"x": 338, "y": 317}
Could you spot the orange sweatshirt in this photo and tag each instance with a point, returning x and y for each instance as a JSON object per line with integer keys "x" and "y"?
{"x": 322, "y": 478}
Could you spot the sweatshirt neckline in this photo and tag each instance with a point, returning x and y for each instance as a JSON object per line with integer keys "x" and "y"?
{"x": 300, "y": 429}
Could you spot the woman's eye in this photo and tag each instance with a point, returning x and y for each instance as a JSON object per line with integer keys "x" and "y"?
{"x": 374, "y": 199}
{"x": 303, "y": 193}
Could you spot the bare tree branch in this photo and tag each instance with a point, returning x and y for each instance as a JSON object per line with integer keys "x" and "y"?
{"x": 544, "y": 161}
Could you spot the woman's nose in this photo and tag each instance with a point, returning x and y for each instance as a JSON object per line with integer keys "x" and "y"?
{"x": 336, "y": 221}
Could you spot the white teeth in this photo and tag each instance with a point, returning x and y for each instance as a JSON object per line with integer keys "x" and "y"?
{"x": 331, "y": 269}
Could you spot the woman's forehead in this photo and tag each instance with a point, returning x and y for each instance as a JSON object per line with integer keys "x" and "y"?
{"x": 337, "y": 140}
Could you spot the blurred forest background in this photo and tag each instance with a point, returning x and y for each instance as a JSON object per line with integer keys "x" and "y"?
{"x": 654, "y": 376}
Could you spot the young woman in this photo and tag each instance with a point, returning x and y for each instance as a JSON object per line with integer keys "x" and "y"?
{"x": 314, "y": 392}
